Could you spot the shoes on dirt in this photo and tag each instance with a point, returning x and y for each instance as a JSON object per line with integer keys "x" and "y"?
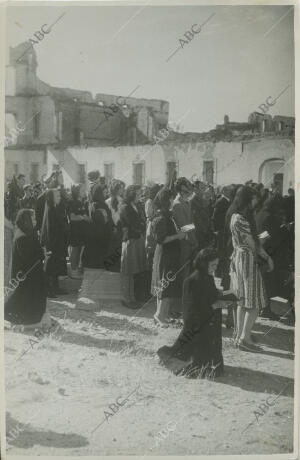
{"x": 268, "y": 314}
{"x": 132, "y": 305}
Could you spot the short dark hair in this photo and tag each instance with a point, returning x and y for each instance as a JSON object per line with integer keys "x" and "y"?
{"x": 162, "y": 200}
{"x": 130, "y": 194}
{"x": 93, "y": 175}
{"x": 21, "y": 176}
{"x": 75, "y": 190}
{"x": 203, "y": 258}
{"x": 182, "y": 181}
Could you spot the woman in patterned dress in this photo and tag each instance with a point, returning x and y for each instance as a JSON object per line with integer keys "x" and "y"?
{"x": 247, "y": 258}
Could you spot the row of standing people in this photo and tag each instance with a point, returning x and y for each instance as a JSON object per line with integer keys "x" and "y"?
{"x": 115, "y": 234}
{"x": 243, "y": 261}
{"x": 116, "y": 230}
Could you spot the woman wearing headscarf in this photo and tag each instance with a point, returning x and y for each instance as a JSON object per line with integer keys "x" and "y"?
{"x": 200, "y": 340}
{"x": 165, "y": 284}
{"x": 99, "y": 231}
{"x": 26, "y": 290}
{"x": 54, "y": 239}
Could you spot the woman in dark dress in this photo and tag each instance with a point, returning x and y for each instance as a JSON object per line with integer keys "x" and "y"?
{"x": 113, "y": 261}
{"x": 133, "y": 259}
{"x": 54, "y": 238}
{"x": 271, "y": 219}
{"x": 26, "y": 303}
{"x": 78, "y": 216}
{"x": 201, "y": 337}
{"x": 166, "y": 261}
{"x": 150, "y": 212}
{"x": 99, "y": 231}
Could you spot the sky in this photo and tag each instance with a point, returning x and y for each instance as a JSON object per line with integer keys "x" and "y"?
{"x": 241, "y": 56}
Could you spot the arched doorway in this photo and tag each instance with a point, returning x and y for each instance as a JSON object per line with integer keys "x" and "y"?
{"x": 271, "y": 171}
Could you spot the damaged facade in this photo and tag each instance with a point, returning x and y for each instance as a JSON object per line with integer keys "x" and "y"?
{"x": 116, "y": 135}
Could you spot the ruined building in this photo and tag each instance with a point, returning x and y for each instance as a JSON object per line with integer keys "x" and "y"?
{"x": 73, "y": 130}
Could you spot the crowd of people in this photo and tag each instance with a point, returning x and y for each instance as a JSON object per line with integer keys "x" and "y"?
{"x": 195, "y": 248}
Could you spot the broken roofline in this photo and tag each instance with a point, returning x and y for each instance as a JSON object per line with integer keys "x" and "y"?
{"x": 131, "y": 97}
{"x": 82, "y": 94}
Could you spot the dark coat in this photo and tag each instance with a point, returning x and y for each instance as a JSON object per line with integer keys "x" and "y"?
{"x": 27, "y": 203}
{"x": 218, "y": 218}
{"x": 289, "y": 208}
{"x": 39, "y": 210}
{"x": 13, "y": 197}
{"x": 201, "y": 336}
{"x": 218, "y": 221}
{"x": 98, "y": 238}
{"x": 133, "y": 223}
{"x": 277, "y": 246}
{"x": 77, "y": 228}
{"x": 54, "y": 237}
{"x": 202, "y": 221}
{"x": 27, "y": 302}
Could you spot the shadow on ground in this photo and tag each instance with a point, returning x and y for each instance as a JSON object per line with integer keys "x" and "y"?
{"x": 127, "y": 346}
{"x": 257, "y": 381}
{"x": 28, "y": 437}
{"x": 58, "y": 309}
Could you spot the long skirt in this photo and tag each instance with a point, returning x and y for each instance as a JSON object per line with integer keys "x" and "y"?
{"x": 55, "y": 264}
{"x": 202, "y": 343}
{"x": 166, "y": 282}
{"x": 27, "y": 303}
{"x": 133, "y": 258}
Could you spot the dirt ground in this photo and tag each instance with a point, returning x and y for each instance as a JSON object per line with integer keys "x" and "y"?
{"x": 59, "y": 391}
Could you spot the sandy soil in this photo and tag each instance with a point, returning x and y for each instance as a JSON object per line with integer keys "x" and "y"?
{"x": 58, "y": 393}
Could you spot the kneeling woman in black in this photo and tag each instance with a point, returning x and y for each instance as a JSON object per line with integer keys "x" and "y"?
{"x": 201, "y": 337}
{"x": 26, "y": 303}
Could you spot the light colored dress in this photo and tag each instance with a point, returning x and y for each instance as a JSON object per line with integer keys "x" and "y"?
{"x": 245, "y": 273}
